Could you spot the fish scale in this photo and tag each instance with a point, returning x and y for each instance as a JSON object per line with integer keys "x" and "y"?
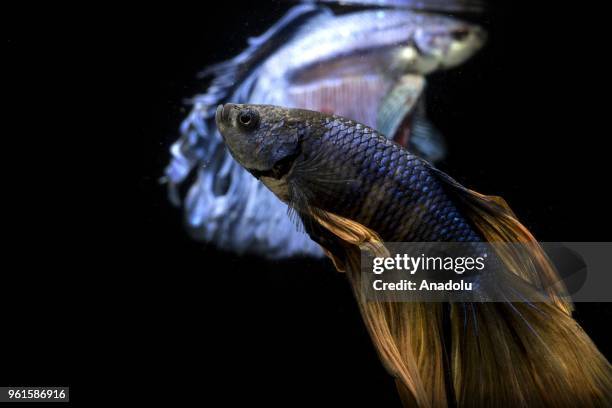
{"x": 390, "y": 179}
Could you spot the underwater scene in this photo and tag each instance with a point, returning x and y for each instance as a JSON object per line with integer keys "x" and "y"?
{"x": 368, "y": 203}
{"x": 319, "y": 203}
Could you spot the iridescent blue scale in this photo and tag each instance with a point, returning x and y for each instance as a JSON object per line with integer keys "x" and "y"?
{"x": 397, "y": 180}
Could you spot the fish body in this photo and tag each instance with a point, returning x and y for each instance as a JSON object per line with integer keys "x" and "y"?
{"x": 373, "y": 46}
{"x": 354, "y": 189}
{"x": 369, "y": 65}
{"x": 348, "y": 169}
{"x": 462, "y": 6}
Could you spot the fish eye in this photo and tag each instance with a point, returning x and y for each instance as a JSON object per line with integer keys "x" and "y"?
{"x": 460, "y": 34}
{"x": 248, "y": 119}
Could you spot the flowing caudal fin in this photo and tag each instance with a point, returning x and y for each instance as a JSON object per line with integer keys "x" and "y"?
{"x": 503, "y": 354}
{"x": 521, "y": 354}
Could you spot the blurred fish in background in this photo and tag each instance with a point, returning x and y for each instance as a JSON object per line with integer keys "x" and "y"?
{"x": 367, "y": 63}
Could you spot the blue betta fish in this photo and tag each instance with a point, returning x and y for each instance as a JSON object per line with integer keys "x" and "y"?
{"x": 353, "y": 189}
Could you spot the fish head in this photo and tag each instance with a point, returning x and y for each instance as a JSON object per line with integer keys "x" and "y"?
{"x": 450, "y": 44}
{"x": 264, "y": 139}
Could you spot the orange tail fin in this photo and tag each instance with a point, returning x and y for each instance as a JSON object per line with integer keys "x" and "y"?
{"x": 503, "y": 354}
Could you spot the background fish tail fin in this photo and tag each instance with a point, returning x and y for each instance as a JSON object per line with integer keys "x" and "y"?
{"x": 223, "y": 203}
{"x": 520, "y": 353}
{"x": 231, "y": 80}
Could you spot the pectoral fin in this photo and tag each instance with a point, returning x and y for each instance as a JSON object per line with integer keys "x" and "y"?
{"x": 339, "y": 236}
{"x": 425, "y": 140}
{"x": 352, "y": 232}
{"x": 398, "y": 105}
{"x": 402, "y": 117}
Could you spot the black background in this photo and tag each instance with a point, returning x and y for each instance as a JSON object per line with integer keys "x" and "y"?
{"x": 102, "y": 286}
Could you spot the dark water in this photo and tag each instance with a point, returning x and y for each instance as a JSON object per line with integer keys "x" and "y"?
{"x": 180, "y": 318}
{"x": 298, "y": 319}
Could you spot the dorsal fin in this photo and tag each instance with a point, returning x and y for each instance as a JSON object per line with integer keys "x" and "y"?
{"x": 498, "y": 224}
{"x": 432, "y": 6}
{"x": 230, "y": 74}
{"x": 518, "y": 353}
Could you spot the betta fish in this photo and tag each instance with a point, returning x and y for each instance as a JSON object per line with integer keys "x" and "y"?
{"x": 368, "y": 64}
{"x": 354, "y": 189}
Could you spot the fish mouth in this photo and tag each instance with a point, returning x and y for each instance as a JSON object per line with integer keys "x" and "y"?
{"x": 219, "y": 114}
{"x": 481, "y": 34}
{"x": 222, "y": 114}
